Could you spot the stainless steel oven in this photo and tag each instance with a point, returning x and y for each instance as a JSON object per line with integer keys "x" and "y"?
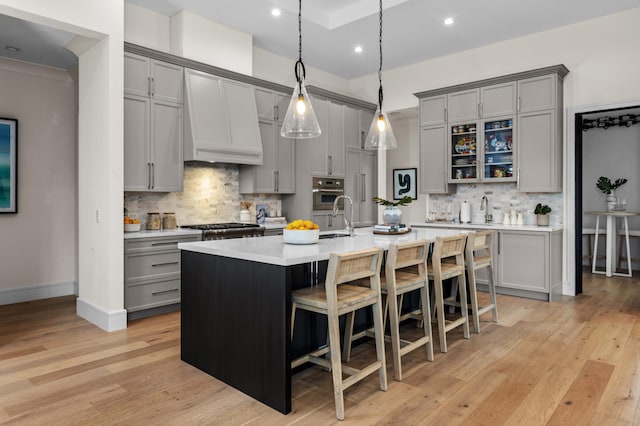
{"x": 325, "y": 191}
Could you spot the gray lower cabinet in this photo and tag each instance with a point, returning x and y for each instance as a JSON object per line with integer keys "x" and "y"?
{"x": 530, "y": 263}
{"x": 328, "y": 222}
{"x": 152, "y": 273}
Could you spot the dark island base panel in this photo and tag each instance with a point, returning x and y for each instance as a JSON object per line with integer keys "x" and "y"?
{"x": 235, "y": 323}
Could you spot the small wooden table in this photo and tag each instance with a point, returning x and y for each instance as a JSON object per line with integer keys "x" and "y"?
{"x": 610, "y": 241}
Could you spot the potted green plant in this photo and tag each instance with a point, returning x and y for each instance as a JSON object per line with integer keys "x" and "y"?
{"x": 392, "y": 215}
{"x": 542, "y": 214}
{"x": 608, "y": 188}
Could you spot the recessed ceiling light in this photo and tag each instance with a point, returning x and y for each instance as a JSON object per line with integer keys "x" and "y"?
{"x": 448, "y": 21}
{"x": 276, "y": 12}
{"x": 357, "y": 49}
{"x": 12, "y": 48}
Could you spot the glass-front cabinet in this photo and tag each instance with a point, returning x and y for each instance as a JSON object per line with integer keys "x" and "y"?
{"x": 482, "y": 151}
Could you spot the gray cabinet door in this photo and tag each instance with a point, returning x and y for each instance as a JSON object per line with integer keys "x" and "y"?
{"x": 137, "y": 143}
{"x": 352, "y": 181}
{"x": 537, "y": 93}
{"x": 167, "y": 82}
{"x": 366, "y": 119}
{"x": 265, "y": 174}
{"x": 327, "y": 222}
{"x": 137, "y": 75}
{"x": 433, "y": 110}
{"x": 463, "y": 105}
{"x": 434, "y": 160}
{"x": 319, "y": 155}
{"x": 336, "y": 130}
{"x": 524, "y": 260}
{"x": 241, "y": 112}
{"x": 352, "y": 128}
{"x": 265, "y": 104}
{"x": 499, "y": 99}
{"x": 539, "y": 152}
{"x": 286, "y": 156}
{"x": 167, "y": 163}
{"x": 369, "y": 179}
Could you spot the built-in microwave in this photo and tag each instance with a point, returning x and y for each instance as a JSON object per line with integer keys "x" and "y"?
{"x": 325, "y": 192}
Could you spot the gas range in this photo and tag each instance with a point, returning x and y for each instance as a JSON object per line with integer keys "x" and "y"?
{"x": 223, "y": 231}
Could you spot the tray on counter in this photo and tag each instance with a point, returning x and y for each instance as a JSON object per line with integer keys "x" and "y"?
{"x": 398, "y": 232}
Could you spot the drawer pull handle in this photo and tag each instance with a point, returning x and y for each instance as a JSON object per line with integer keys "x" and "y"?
{"x": 164, "y": 244}
{"x": 173, "y": 290}
{"x": 165, "y": 264}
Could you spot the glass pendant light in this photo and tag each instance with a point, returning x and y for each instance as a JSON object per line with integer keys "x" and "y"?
{"x": 300, "y": 121}
{"x": 380, "y": 134}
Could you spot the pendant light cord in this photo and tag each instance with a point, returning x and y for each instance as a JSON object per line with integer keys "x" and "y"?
{"x": 299, "y": 66}
{"x": 380, "y": 68}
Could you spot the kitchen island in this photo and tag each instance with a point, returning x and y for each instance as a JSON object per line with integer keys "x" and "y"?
{"x": 236, "y": 306}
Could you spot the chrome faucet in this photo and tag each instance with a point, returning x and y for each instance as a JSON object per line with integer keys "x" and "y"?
{"x": 348, "y": 224}
{"x": 484, "y": 205}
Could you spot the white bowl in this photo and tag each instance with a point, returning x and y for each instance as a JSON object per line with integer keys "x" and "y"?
{"x": 131, "y": 227}
{"x": 292, "y": 236}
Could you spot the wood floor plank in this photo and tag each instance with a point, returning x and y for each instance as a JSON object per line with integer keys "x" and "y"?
{"x": 579, "y": 403}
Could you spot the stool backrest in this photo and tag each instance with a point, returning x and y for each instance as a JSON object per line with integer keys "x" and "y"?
{"x": 346, "y": 267}
{"x": 405, "y": 255}
{"x": 477, "y": 241}
{"x": 448, "y": 250}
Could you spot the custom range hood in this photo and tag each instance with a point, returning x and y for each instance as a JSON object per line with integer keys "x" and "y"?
{"x": 221, "y": 120}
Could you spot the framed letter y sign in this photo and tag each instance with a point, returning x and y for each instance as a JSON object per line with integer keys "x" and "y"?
{"x": 404, "y": 183}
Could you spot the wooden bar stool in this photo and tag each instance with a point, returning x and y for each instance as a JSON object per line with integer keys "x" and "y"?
{"x": 478, "y": 256}
{"x": 338, "y": 297}
{"x": 447, "y": 261}
{"x": 405, "y": 271}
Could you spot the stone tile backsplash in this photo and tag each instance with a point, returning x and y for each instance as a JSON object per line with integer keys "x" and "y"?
{"x": 502, "y": 197}
{"x": 210, "y": 195}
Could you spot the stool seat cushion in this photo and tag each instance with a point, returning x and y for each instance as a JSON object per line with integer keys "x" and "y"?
{"x": 348, "y": 295}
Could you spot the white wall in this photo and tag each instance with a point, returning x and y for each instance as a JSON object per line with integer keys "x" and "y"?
{"x": 207, "y": 41}
{"x": 100, "y": 147}
{"x": 147, "y": 28}
{"x": 38, "y": 257}
{"x": 601, "y": 54}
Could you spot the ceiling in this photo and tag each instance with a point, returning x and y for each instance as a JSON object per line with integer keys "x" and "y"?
{"x": 413, "y": 30}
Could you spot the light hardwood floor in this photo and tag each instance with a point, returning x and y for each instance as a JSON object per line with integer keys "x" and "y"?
{"x": 574, "y": 362}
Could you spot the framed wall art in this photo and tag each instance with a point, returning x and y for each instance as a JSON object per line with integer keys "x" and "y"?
{"x": 404, "y": 183}
{"x": 8, "y": 165}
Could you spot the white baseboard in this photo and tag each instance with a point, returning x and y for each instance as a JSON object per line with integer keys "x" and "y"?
{"x": 36, "y": 292}
{"x": 108, "y": 321}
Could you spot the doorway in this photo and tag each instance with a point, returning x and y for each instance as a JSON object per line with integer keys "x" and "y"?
{"x": 591, "y": 151}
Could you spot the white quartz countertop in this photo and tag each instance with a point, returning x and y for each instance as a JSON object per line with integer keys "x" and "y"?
{"x": 163, "y": 233}
{"x": 275, "y": 251}
{"x": 497, "y": 226}
{"x": 273, "y": 225}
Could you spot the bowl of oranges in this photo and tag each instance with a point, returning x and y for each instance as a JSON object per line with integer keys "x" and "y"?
{"x": 131, "y": 225}
{"x": 301, "y": 232}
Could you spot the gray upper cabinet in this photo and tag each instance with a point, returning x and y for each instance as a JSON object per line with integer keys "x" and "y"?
{"x": 353, "y": 134}
{"x": 498, "y": 99}
{"x": 434, "y": 160}
{"x": 537, "y": 93}
{"x": 433, "y": 110}
{"x": 463, "y": 105}
{"x": 360, "y": 185}
{"x": 155, "y": 79}
{"x": 517, "y": 120}
{"x": 222, "y": 120}
{"x": 153, "y": 125}
{"x": 277, "y": 172}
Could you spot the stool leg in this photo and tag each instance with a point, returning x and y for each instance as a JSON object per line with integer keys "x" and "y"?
{"x": 394, "y": 326}
{"x": 454, "y": 292}
{"x": 595, "y": 246}
{"x": 626, "y": 236}
{"x": 463, "y": 304}
{"x": 336, "y": 364}
{"x": 293, "y": 317}
{"x": 426, "y": 314}
{"x": 348, "y": 336}
{"x": 379, "y": 334}
{"x": 439, "y": 312}
{"x": 473, "y": 295}
{"x": 492, "y": 292}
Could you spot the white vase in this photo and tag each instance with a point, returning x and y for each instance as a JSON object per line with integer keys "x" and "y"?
{"x": 392, "y": 215}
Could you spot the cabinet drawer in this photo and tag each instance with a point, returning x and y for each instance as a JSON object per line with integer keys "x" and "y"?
{"x": 151, "y": 295}
{"x": 146, "y": 265}
{"x": 157, "y": 243}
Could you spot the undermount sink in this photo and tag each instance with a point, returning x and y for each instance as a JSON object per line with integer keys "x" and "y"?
{"x": 332, "y": 235}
